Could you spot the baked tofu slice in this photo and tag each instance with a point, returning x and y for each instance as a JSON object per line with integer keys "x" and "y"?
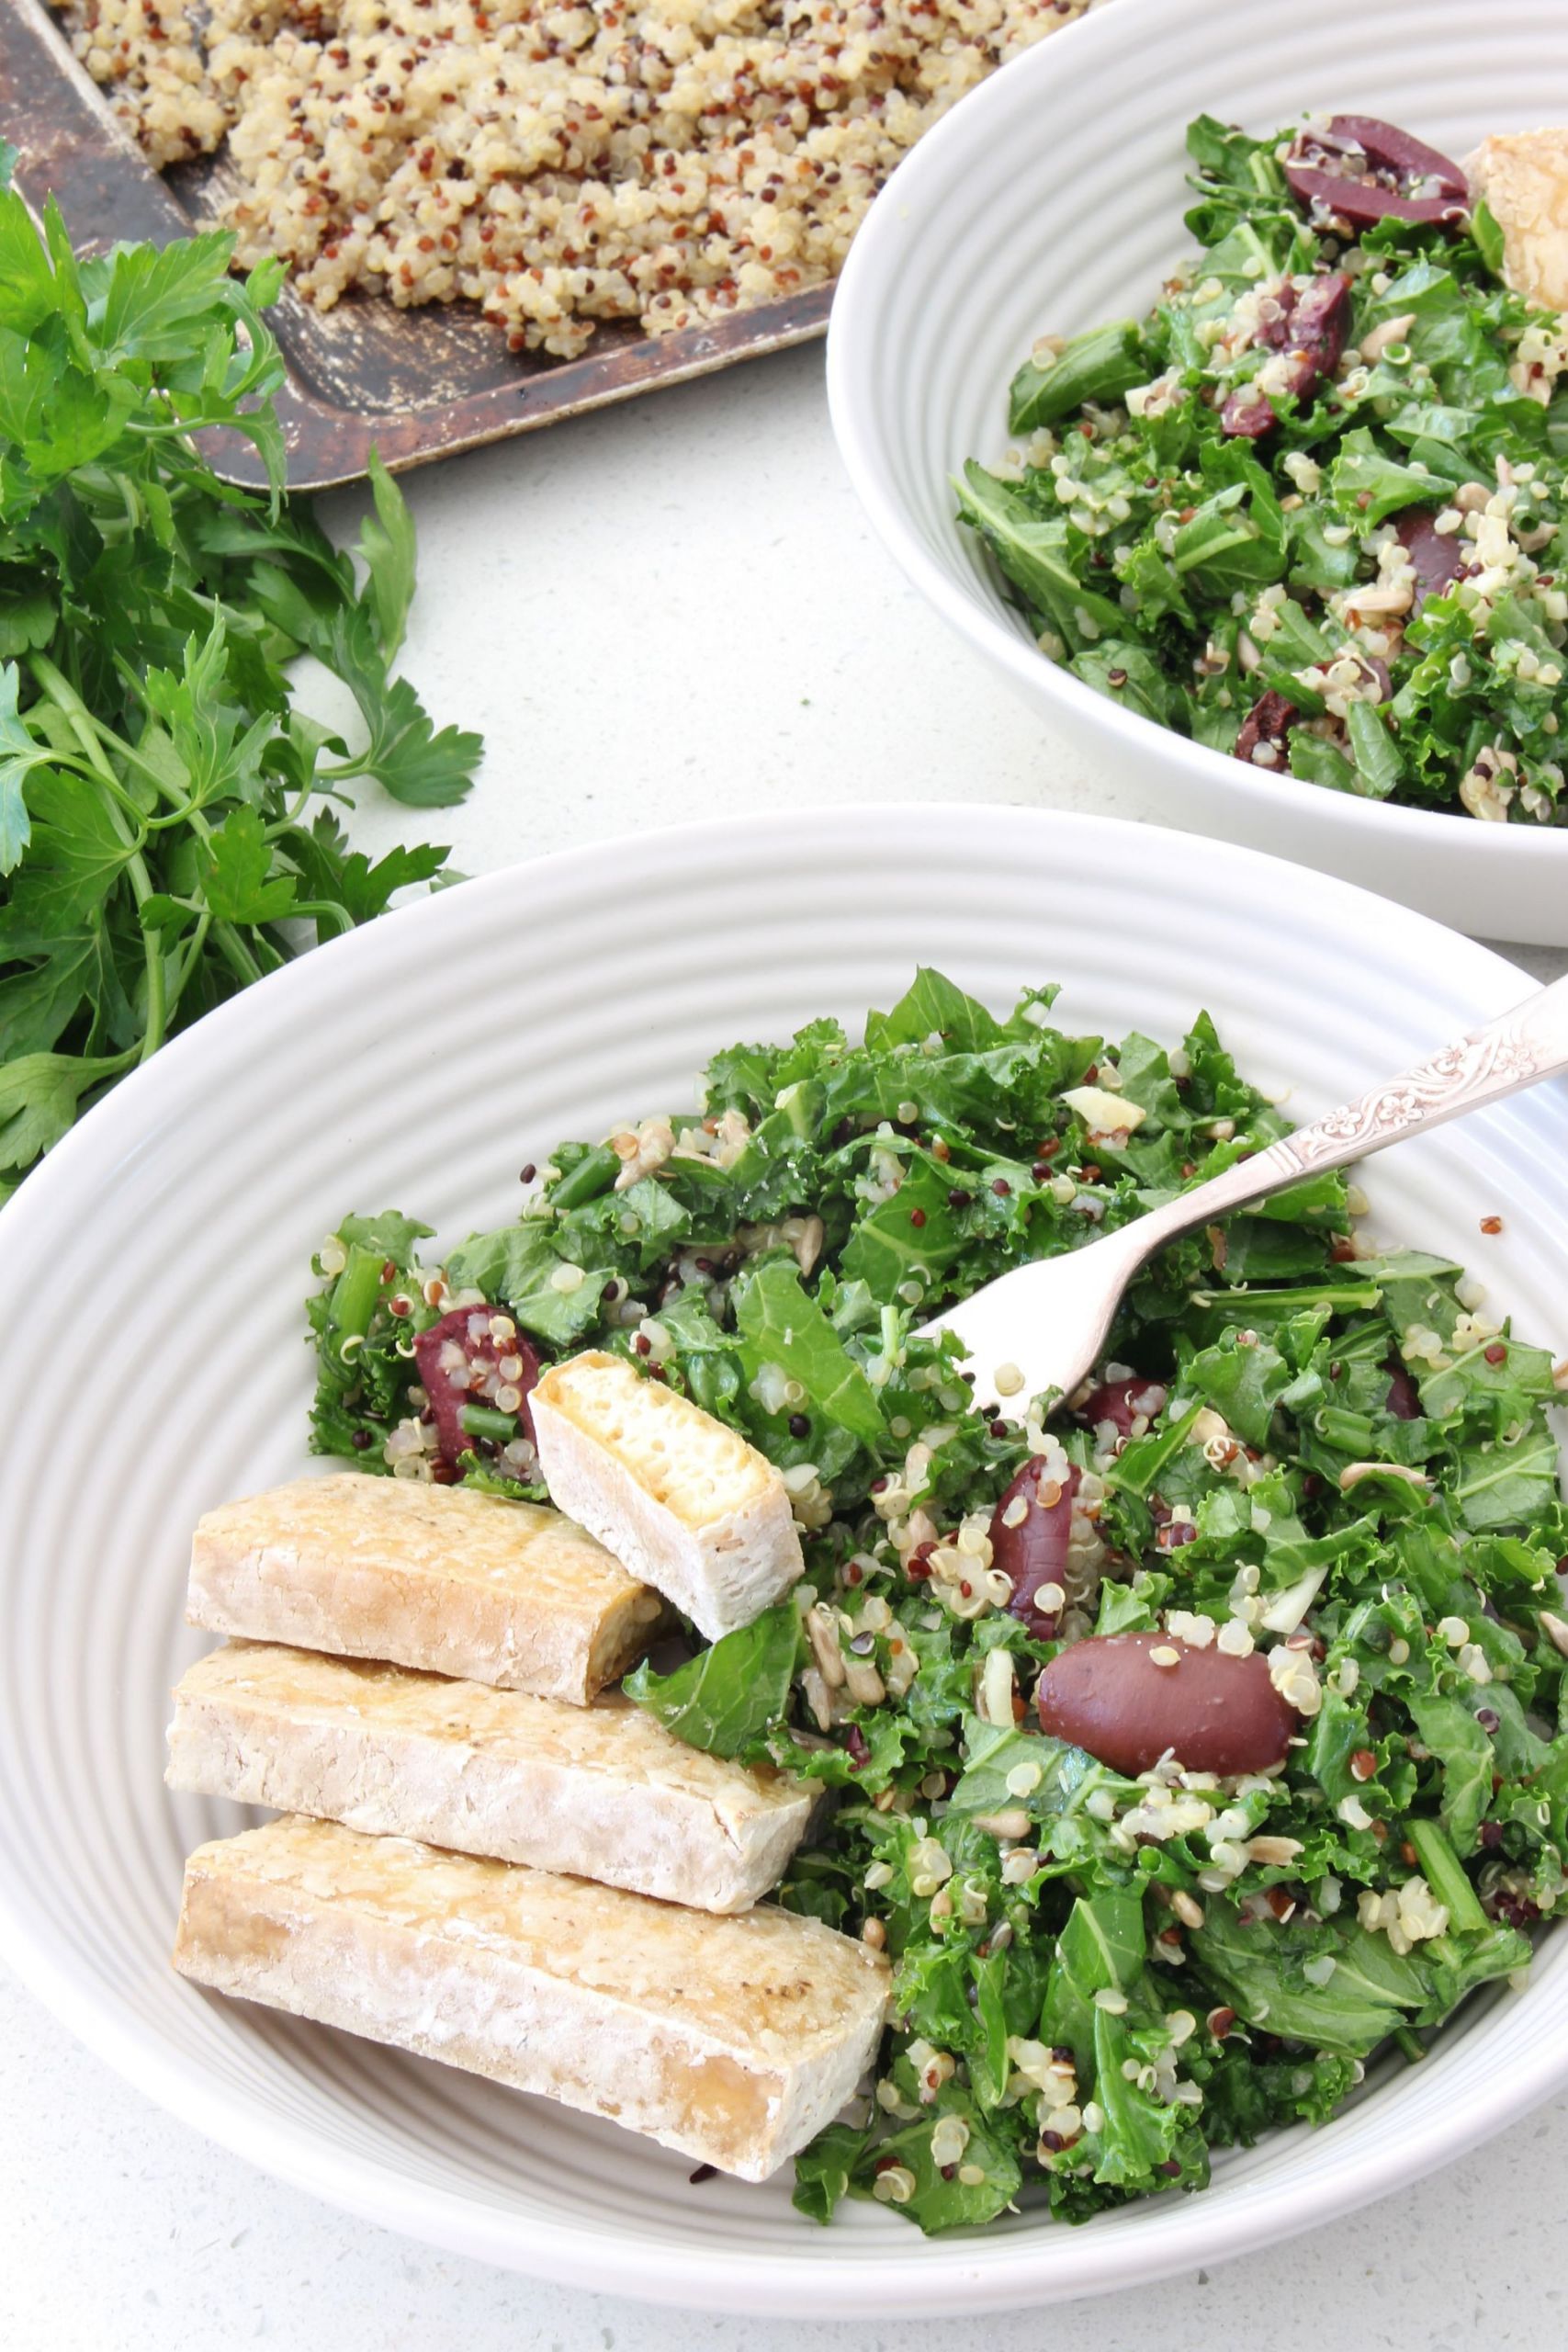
{"x": 733, "y": 2040}
{"x": 428, "y": 1577}
{"x": 601, "y": 1791}
{"x": 677, "y": 1496}
{"x": 1523, "y": 177}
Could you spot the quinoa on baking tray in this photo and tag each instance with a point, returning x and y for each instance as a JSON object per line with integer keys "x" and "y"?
{"x": 667, "y": 163}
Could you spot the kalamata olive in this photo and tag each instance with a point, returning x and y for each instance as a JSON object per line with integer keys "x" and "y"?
{"x": 1373, "y": 666}
{"x": 1270, "y": 720}
{"x": 461, "y": 1361}
{"x": 1275, "y": 311}
{"x": 1122, "y": 1402}
{"x": 1311, "y": 328}
{"x": 1392, "y": 150}
{"x": 1247, "y": 415}
{"x": 1175, "y": 1533}
{"x": 1320, "y": 322}
{"x": 1402, "y": 1400}
{"x": 1029, "y": 1546}
{"x": 1436, "y": 556}
{"x": 1113, "y": 1696}
{"x": 1366, "y": 170}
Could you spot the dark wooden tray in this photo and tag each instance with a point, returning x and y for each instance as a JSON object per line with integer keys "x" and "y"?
{"x": 414, "y": 384}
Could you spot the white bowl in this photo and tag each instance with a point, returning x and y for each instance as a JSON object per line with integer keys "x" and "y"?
{"x": 155, "y": 1268}
{"x": 1051, "y": 199}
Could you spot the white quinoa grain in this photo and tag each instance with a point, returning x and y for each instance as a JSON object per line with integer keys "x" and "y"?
{"x": 665, "y": 161}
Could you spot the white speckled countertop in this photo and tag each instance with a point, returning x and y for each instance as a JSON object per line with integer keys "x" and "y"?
{"x": 667, "y": 611}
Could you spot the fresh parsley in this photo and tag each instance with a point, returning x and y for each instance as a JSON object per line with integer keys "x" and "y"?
{"x": 170, "y": 821}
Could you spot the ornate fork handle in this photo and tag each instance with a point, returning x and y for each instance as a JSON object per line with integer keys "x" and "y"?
{"x": 1519, "y": 1047}
{"x": 1479, "y": 1069}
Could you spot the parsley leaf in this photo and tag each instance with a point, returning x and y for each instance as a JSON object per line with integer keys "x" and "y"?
{"x": 386, "y": 548}
{"x": 405, "y": 755}
{"x": 19, "y": 755}
{"x": 237, "y": 873}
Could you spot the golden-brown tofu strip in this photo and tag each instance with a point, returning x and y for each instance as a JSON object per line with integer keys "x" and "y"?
{"x": 428, "y": 1577}
{"x": 732, "y": 2040}
{"x": 602, "y": 1791}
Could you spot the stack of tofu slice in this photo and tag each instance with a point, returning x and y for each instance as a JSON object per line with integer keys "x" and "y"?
{"x": 487, "y": 1855}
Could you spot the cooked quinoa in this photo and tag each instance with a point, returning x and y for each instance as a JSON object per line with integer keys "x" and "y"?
{"x": 559, "y": 165}
{"x": 151, "y": 54}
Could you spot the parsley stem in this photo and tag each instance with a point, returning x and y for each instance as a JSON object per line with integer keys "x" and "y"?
{"x": 90, "y": 773}
{"x": 92, "y": 764}
{"x": 320, "y": 909}
{"x": 235, "y": 954}
{"x": 95, "y": 734}
{"x": 65, "y": 698}
{"x": 178, "y": 429}
{"x": 87, "y": 731}
{"x": 192, "y": 957}
{"x": 187, "y": 812}
{"x": 157, "y": 1000}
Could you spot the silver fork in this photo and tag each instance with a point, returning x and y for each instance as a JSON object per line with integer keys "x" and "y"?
{"x": 1046, "y": 1326}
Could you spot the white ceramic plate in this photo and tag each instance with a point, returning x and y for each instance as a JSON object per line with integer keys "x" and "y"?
{"x": 155, "y": 1269}
{"x": 1049, "y": 199}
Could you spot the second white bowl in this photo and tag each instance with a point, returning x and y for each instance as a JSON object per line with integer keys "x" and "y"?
{"x": 419, "y": 1062}
{"x": 1052, "y": 199}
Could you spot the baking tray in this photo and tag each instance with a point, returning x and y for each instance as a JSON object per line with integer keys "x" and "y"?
{"x": 413, "y": 384}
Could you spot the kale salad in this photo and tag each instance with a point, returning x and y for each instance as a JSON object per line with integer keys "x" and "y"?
{"x": 1310, "y": 510}
{"x": 1301, "y": 1450}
